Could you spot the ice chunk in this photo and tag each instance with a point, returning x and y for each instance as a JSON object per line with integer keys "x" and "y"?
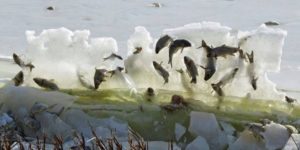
{"x": 5, "y": 120}
{"x": 205, "y": 125}
{"x": 101, "y": 126}
{"x": 198, "y": 143}
{"x": 293, "y": 143}
{"x": 52, "y": 125}
{"x": 247, "y": 141}
{"x": 179, "y": 131}
{"x": 227, "y": 128}
{"x": 154, "y": 145}
{"x": 275, "y": 135}
{"x": 14, "y": 98}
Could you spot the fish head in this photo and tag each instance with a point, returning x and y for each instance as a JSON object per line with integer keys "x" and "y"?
{"x": 120, "y": 69}
{"x": 38, "y": 80}
{"x": 187, "y": 60}
{"x": 203, "y": 44}
{"x": 150, "y": 91}
{"x": 155, "y": 64}
{"x": 208, "y": 73}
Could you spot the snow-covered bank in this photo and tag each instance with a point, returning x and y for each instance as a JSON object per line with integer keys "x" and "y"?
{"x": 61, "y": 54}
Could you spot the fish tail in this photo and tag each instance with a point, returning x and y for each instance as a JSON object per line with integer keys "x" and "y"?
{"x": 194, "y": 80}
{"x": 170, "y": 62}
{"x": 166, "y": 81}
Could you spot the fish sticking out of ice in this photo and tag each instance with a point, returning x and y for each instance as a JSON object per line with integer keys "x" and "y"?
{"x": 60, "y": 54}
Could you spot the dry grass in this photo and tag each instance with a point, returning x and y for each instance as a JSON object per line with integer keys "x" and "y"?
{"x": 135, "y": 142}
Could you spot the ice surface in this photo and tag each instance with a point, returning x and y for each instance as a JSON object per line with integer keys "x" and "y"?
{"x": 276, "y": 136}
{"x": 205, "y": 125}
{"x": 291, "y": 143}
{"x": 198, "y": 143}
{"x": 247, "y": 141}
{"x": 179, "y": 131}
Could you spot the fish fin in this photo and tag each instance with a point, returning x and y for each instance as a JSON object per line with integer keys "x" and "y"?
{"x": 250, "y": 56}
{"x": 121, "y": 58}
{"x": 202, "y": 67}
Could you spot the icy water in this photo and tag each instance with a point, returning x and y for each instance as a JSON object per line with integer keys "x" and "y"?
{"x": 135, "y": 108}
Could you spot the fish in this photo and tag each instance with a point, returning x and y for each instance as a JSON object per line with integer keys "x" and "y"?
{"x": 254, "y": 82}
{"x": 265, "y": 121}
{"x": 162, "y": 42}
{"x": 137, "y": 50}
{"x": 99, "y": 77}
{"x": 185, "y": 81}
{"x": 157, "y": 5}
{"x": 150, "y": 91}
{"x": 208, "y": 49}
{"x": 191, "y": 68}
{"x": 113, "y": 72}
{"x": 224, "y": 50}
{"x": 223, "y": 81}
{"x": 112, "y": 57}
{"x": 19, "y": 79}
{"x": 30, "y": 66}
{"x": 18, "y": 60}
{"x": 257, "y": 129}
{"x": 289, "y": 99}
{"x": 217, "y": 88}
{"x": 47, "y": 84}
{"x": 21, "y": 63}
{"x": 252, "y": 76}
{"x": 242, "y": 55}
{"x": 161, "y": 71}
{"x": 271, "y": 23}
{"x": 177, "y": 45}
{"x": 250, "y": 57}
{"x": 178, "y": 100}
{"x": 228, "y": 77}
{"x": 210, "y": 68}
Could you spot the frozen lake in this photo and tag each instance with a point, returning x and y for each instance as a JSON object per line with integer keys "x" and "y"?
{"x": 118, "y": 18}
